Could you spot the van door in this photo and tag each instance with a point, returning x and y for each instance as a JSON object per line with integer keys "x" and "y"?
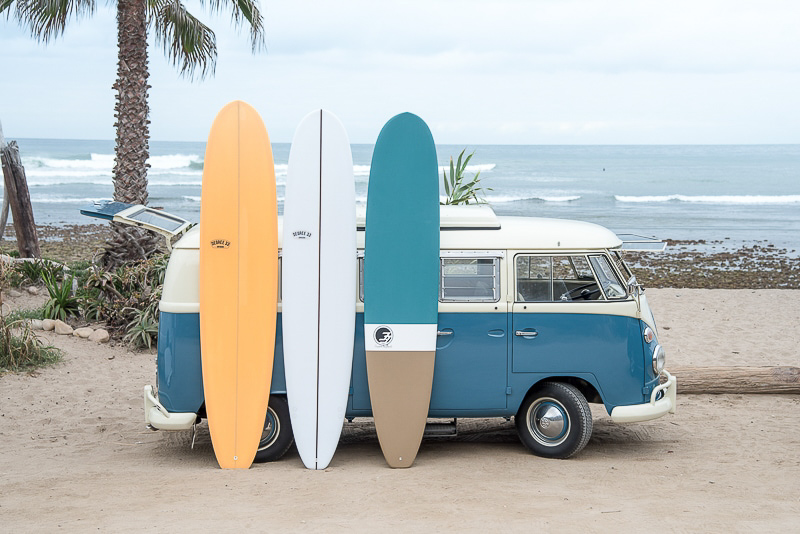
{"x": 565, "y": 323}
{"x": 471, "y": 366}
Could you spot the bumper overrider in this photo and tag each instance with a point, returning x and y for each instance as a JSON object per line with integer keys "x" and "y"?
{"x": 158, "y": 418}
{"x": 658, "y": 406}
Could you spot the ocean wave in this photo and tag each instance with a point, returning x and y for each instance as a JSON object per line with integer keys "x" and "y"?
{"x": 94, "y": 161}
{"x": 480, "y": 167}
{"x": 175, "y": 161}
{"x": 61, "y": 200}
{"x": 713, "y": 199}
{"x": 499, "y": 199}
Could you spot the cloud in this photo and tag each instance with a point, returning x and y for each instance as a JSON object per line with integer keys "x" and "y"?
{"x": 565, "y": 71}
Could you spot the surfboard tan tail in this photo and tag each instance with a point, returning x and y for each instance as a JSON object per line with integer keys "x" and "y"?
{"x": 400, "y": 392}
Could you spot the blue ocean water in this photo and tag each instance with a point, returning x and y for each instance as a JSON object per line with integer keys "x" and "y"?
{"x": 734, "y": 193}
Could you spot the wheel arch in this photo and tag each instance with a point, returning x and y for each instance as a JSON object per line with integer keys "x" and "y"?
{"x": 587, "y": 389}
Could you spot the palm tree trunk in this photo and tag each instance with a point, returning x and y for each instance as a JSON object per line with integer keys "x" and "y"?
{"x": 133, "y": 132}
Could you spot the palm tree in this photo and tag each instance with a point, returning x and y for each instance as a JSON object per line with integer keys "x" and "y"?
{"x": 188, "y": 43}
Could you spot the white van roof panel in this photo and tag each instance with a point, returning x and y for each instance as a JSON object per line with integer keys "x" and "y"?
{"x": 516, "y": 233}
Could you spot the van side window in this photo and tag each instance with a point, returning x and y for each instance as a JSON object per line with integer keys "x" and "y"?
{"x": 469, "y": 280}
{"x": 533, "y": 279}
{"x": 612, "y": 286}
{"x": 555, "y": 279}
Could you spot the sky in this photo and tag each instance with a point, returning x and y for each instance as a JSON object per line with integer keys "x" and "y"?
{"x": 478, "y": 72}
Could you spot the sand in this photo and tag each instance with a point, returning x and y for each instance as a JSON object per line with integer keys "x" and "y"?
{"x": 75, "y": 454}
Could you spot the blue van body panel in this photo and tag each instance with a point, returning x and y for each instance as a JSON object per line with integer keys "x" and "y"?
{"x": 471, "y": 367}
{"x": 481, "y": 368}
{"x": 607, "y": 347}
{"x": 180, "y": 373}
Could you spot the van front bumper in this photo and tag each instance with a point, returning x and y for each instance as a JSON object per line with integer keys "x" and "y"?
{"x": 653, "y": 409}
{"x": 157, "y": 417}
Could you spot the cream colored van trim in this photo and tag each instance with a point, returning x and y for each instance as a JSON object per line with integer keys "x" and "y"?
{"x": 625, "y": 308}
{"x": 181, "y": 283}
{"x": 469, "y": 254}
{"x": 179, "y": 307}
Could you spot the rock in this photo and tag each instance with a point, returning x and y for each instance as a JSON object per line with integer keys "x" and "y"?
{"x": 33, "y": 290}
{"x": 48, "y": 324}
{"x": 13, "y": 293}
{"x": 63, "y": 328}
{"x": 99, "y": 336}
{"x": 36, "y": 324}
{"x": 84, "y": 332}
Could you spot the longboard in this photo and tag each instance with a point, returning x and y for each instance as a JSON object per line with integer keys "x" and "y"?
{"x": 238, "y": 282}
{"x": 319, "y": 284}
{"x": 401, "y": 283}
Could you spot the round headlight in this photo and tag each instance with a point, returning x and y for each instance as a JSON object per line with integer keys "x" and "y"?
{"x": 649, "y": 336}
{"x": 659, "y": 359}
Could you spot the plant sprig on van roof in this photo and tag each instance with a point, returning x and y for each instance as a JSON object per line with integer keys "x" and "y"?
{"x": 457, "y": 191}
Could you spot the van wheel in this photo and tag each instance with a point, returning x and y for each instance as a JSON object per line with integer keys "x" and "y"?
{"x": 554, "y": 420}
{"x": 277, "y": 436}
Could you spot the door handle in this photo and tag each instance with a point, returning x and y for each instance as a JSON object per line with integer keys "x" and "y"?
{"x": 526, "y": 333}
{"x": 444, "y": 332}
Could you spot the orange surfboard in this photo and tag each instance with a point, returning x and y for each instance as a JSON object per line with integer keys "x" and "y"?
{"x": 238, "y": 281}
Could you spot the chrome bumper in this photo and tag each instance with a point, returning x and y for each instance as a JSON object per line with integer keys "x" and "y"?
{"x": 157, "y": 417}
{"x": 653, "y": 409}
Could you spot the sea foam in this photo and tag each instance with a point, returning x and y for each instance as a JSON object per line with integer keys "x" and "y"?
{"x": 714, "y": 199}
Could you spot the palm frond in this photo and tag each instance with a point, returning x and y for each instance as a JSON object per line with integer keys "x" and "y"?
{"x": 188, "y": 43}
{"x": 47, "y": 19}
{"x": 241, "y": 11}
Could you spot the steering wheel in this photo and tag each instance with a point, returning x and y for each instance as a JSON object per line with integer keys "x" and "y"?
{"x": 581, "y": 292}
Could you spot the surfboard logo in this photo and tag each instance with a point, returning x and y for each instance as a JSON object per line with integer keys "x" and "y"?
{"x": 220, "y": 243}
{"x": 383, "y": 336}
{"x": 301, "y": 234}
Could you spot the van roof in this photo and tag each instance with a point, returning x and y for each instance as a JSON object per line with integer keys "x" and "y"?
{"x": 478, "y": 228}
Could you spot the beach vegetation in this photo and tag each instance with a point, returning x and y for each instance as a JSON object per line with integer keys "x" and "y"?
{"x": 30, "y": 271}
{"x": 21, "y": 350}
{"x": 62, "y": 302}
{"x": 30, "y": 313}
{"x": 127, "y": 299}
{"x": 142, "y": 331}
{"x": 456, "y": 186}
{"x": 188, "y": 43}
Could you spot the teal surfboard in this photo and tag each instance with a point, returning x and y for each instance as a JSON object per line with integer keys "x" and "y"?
{"x": 401, "y": 284}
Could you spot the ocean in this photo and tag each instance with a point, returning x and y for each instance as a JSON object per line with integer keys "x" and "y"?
{"x": 736, "y": 194}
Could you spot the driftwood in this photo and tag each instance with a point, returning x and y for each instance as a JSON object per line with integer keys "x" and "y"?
{"x": 737, "y": 379}
{"x": 4, "y": 211}
{"x": 16, "y": 190}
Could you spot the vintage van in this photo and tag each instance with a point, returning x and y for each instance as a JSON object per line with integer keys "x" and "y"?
{"x": 537, "y": 318}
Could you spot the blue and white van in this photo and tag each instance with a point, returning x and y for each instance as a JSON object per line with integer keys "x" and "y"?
{"x": 537, "y": 318}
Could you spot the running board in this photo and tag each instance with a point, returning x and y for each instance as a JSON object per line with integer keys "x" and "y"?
{"x": 433, "y": 430}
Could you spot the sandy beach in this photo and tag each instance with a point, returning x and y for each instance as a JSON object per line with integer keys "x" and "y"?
{"x": 76, "y": 455}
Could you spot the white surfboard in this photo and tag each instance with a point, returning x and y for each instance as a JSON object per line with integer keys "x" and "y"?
{"x": 319, "y": 273}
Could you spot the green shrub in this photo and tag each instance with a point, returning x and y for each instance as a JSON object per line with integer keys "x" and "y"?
{"x": 62, "y": 302}
{"x": 31, "y": 271}
{"x": 142, "y": 331}
{"x": 21, "y": 350}
{"x": 127, "y": 299}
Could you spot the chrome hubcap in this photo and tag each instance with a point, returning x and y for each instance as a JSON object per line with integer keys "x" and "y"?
{"x": 548, "y": 422}
{"x": 272, "y": 429}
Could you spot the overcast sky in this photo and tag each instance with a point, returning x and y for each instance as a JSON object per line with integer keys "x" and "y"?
{"x": 479, "y": 72}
